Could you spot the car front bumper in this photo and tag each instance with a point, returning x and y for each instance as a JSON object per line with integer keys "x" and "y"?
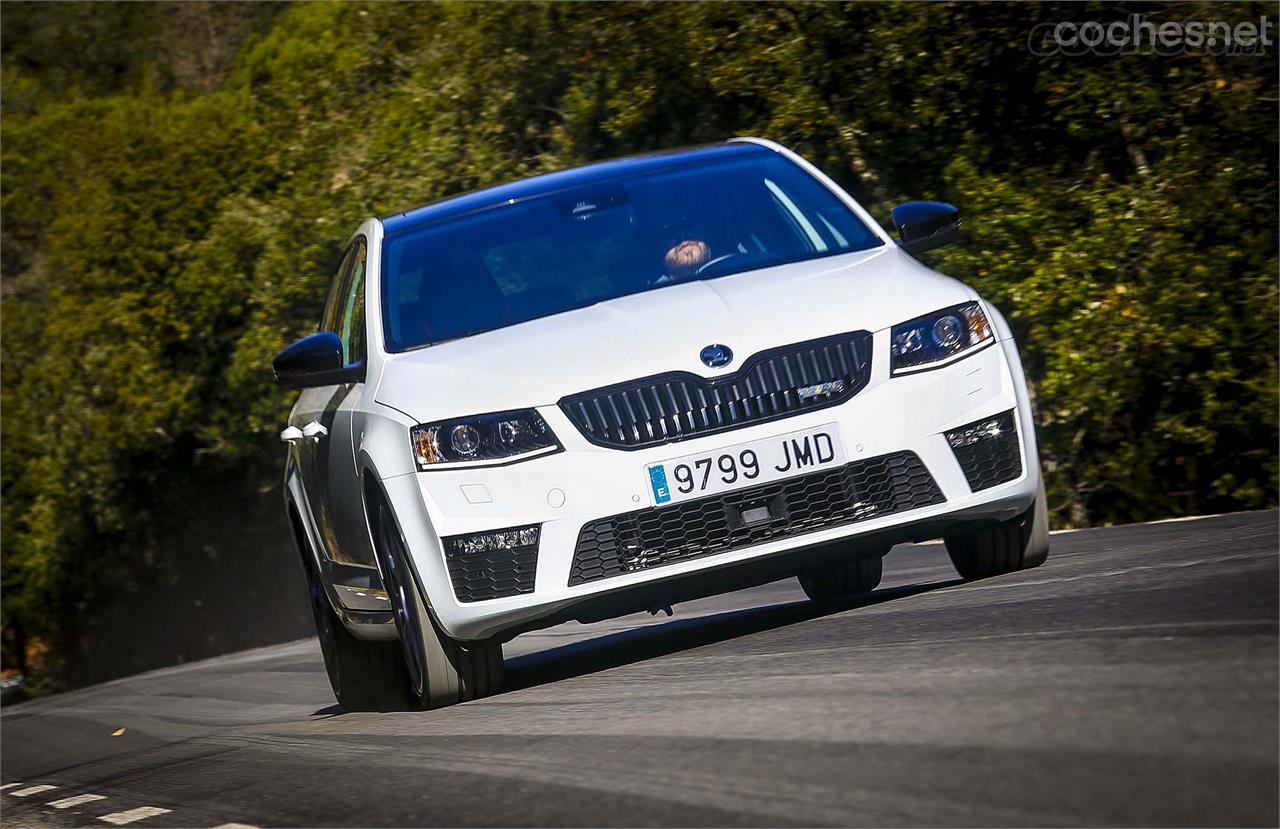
{"x": 569, "y": 490}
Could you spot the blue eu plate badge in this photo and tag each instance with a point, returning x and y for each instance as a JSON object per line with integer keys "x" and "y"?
{"x": 658, "y": 478}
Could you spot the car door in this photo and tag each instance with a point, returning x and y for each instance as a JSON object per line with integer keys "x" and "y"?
{"x": 308, "y": 416}
{"x": 344, "y": 498}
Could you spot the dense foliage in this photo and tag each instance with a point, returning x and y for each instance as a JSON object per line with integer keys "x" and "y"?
{"x": 178, "y": 178}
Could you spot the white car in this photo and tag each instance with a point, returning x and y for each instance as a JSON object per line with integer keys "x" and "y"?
{"x": 632, "y": 384}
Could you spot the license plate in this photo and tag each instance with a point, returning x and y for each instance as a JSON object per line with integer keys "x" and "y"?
{"x": 747, "y": 464}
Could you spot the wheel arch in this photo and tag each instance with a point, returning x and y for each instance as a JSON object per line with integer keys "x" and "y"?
{"x": 416, "y": 529}
{"x": 365, "y": 625}
{"x": 373, "y": 491}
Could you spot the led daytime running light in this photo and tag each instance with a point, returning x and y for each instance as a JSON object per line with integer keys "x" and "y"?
{"x": 492, "y": 542}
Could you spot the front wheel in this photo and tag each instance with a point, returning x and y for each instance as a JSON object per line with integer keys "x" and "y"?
{"x": 843, "y": 579}
{"x": 1017, "y": 544}
{"x": 365, "y": 676}
{"x": 442, "y": 671}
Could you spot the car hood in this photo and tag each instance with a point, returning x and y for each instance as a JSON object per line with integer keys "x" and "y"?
{"x": 538, "y": 362}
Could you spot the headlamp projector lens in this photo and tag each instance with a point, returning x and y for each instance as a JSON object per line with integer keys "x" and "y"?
{"x": 947, "y": 332}
{"x": 465, "y": 439}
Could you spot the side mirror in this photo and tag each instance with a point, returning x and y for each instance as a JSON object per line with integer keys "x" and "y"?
{"x": 315, "y": 360}
{"x": 925, "y": 225}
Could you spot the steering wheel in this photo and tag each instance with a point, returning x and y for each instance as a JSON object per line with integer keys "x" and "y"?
{"x": 711, "y": 262}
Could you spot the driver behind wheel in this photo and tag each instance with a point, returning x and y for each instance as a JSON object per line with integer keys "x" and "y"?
{"x": 683, "y": 260}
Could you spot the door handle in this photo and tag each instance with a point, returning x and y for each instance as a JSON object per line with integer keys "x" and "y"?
{"x": 291, "y": 434}
{"x": 314, "y": 430}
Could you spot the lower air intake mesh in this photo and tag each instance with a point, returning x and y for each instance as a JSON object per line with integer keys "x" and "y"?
{"x": 665, "y": 535}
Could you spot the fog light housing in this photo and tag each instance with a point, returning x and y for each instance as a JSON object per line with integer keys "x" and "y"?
{"x": 988, "y": 450}
{"x": 494, "y": 541}
{"x": 494, "y": 564}
{"x": 992, "y": 427}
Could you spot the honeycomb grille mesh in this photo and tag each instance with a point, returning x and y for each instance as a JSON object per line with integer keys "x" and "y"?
{"x": 671, "y": 407}
{"x": 665, "y": 535}
{"x": 992, "y": 458}
{"x": 493, "y": 574}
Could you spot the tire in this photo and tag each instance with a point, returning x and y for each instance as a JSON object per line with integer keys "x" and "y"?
{"x": 440, "y": 670}
{"x": 1018, "y": 544}
{"x": 843, "y": 579}
{"x": 365, "y": 676}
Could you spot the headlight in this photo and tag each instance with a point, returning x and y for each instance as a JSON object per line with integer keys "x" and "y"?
{"x": 938, "y": 338}
{"x": 491, "y": 437}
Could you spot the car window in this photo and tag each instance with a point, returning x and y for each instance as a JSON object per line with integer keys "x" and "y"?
{"x": 606, "y": 239}
{"x": 344, "y": 310}
{"x": 351, "y": 322}
{"x": 329, "y": 318}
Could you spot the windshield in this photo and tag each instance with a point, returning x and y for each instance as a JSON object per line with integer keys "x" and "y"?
{"x": 576, "y": 247}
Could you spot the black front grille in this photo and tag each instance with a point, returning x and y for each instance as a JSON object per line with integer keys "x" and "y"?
{"x": 663, "y": 535}
{"x": 671, "y": 407}
{"x": 492, "y": 574}
{"x": 988, "y": 451}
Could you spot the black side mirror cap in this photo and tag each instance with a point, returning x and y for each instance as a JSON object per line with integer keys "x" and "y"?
{"x": 315, "y": 360}
{"x": 925, "y": 225}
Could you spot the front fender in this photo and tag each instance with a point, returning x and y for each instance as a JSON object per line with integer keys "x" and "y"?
{"x": 386, "y": 463}
{"x": 1026, "y": 416}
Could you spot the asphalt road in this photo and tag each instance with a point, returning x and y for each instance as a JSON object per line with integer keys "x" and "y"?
{"x": 1131, "y": 680}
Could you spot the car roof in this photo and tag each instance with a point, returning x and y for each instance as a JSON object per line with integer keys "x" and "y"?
{"x": 562, "y": 180}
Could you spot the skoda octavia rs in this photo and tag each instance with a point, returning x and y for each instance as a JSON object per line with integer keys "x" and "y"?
{"x": 631, "y": 384}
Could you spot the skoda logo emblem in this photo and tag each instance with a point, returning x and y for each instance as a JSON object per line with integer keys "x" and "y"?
{"x": 717, "y": 355}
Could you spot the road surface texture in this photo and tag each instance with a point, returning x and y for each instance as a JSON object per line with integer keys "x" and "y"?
{"x": 1131, "y": 680}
